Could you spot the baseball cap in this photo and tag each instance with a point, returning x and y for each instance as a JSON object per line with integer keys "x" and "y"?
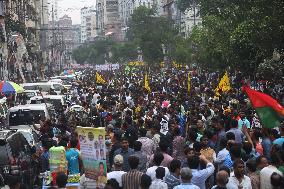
{"x": 118, "y": 159}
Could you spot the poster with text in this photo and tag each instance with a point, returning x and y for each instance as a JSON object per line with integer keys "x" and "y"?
{"x": 93, "y": 152}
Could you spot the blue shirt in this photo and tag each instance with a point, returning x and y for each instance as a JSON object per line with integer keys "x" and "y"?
{"x": 266, "y": 145}
{"x": 228, "y": 161}
{"x": 72, "y": 156}
{"x": 279, "y": 141}
{"x": 200, "y": 176}
{"x": 172, "y": 181}
{"x": 242, "y": 122}
{"x": 186, "y": 186}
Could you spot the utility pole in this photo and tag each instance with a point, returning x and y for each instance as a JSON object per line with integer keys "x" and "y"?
{"x": 53, "y": 38}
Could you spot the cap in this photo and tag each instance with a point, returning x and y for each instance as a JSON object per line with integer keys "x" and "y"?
{"x": 118, "y": 159}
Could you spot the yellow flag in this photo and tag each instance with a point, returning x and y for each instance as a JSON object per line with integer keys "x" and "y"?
{"x": 224, "y": 85}
{"x": 99, "y": 79}
{"x": 146, "y": 83}
{"x": 188, "y": 83}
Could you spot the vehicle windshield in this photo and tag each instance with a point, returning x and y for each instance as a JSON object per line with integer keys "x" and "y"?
{"x": 26, "y": 117}
{"x": 55, "y": 102}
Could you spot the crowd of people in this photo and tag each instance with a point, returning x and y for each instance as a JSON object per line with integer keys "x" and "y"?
{"x": 175, "y": 136}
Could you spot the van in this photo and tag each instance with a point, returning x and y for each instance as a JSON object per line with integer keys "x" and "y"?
{"x": 56, "y": 100}
{"x": 24, "y": 116}
{"x": 45, "y": 87}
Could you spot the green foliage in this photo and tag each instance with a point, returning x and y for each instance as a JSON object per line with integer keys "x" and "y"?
{"x": 123, "y": 52}
{"x": 149, "y": 31}
{"x": 239, "y": 34}
{"x": 92, "y": 53}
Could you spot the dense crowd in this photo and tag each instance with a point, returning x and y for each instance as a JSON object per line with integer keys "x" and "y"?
{"x": 173, "y": 136}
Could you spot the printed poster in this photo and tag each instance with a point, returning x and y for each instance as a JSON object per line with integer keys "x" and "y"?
{"x": 93, "y": 152}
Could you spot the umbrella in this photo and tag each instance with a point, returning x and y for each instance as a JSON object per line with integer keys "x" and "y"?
{"x": 10, "y": 87}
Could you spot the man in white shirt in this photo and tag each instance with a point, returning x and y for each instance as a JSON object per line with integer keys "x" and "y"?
{"x": 158, "y": 158}
{"x": 117, "y": 170}
{"x": 238, "y": 179}
{"x": 158, "y": 183}
{"x": 266, "y": 172}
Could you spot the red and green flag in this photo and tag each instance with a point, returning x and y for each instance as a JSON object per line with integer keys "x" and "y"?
{"x": 269, "y": 111}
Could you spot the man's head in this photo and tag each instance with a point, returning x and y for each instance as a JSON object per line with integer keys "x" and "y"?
{"x": 73, "y": 143}
{"x": 239, "y": 168}
{"x": 137, "y": 146}
{"x": 261, "y": 162}
{"x": 175, "y": 166}
{"x": 222, "y": 178}
{"x": 158, "y": 158}
{"x": 118, "y": 161}
{"x": 160, "y": 172}
{"x": 193, "y": 162}
{"x": 145, "y": 182}
{"x": 133, "y": 162}
{"x": 142, "y": 132}
{"x": 235, "y": 152}
{"x": 186, "y": 174}
{"x": 163, "y": 145}
{"x": 112, "y": 184}
{"x": 61, "y": 180}
{"x": 124, "y": 143}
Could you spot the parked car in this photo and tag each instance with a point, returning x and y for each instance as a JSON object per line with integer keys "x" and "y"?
{"x": 45, "y": 87}
{"x": 25, "y": 116}
{"x": 56, "y": 100}
{"x": 16, "y": 157}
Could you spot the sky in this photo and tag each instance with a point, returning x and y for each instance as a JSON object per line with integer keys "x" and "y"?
{"x": 72, "y": 8}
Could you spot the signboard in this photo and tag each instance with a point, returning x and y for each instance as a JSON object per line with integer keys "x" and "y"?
{"x": 93, "y": 152}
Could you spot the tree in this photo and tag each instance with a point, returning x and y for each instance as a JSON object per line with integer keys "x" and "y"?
{"x": 149, "y": 31}
{"x": 239, "y": 34}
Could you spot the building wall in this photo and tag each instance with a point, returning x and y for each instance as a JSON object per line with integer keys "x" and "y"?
{"x": 88, "y": 23}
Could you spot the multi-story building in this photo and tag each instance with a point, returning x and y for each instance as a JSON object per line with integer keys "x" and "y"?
{"x": 126, "y": 8}
{"x": 88, "y": 24}
{"x": 185, "y": 20}
{"x": 112, "y": 22}
{"x": 100, "y": 17}
{"x": 77, "y": 35}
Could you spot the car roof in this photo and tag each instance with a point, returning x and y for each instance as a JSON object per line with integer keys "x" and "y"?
{"x": 31, "y": 84}
{"x": 48, "y": 96}
{"x": 29, "y": 107}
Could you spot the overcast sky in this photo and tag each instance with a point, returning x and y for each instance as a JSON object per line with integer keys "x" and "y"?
{"x": 72, "y": 8}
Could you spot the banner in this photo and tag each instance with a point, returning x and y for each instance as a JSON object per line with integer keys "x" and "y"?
{"x": 93, "y": 152}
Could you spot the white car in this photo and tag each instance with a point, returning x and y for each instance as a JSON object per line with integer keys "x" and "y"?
{"x": 24, "y": 116}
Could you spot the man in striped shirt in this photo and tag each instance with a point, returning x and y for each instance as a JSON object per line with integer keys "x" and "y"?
{"x": 131, "y": 179}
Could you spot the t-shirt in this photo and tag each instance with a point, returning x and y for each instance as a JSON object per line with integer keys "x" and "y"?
{"x": 72, "y": 156}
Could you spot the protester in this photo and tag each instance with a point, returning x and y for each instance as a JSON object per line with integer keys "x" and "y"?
{"x": 186, "y": 176}
{"x": 61, "y": 180}
{"x": 172, "y": 179}
{"x": 117, "y": 172}
{"x": 222, "y": 178}
{"x": 132, "y": 178}
{"x": 200, "y": 176}
{"x": 158, "y": 183}
{"x": 125, "y": 151}
{"x": 158, "y": 159}
{"x": 238, "y": 179}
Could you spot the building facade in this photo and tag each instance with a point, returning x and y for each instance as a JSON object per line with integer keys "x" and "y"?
{"x": 185, "y": 20}
{"x": 88, "y": 24}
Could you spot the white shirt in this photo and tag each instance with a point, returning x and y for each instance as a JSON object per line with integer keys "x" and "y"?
{"x": 234, "y": 183}
{"x": 116, "y": 175}
{"x": 158, "y": 184}
{"x": 152, "y": 172}
{"x": 265, "y": 175}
